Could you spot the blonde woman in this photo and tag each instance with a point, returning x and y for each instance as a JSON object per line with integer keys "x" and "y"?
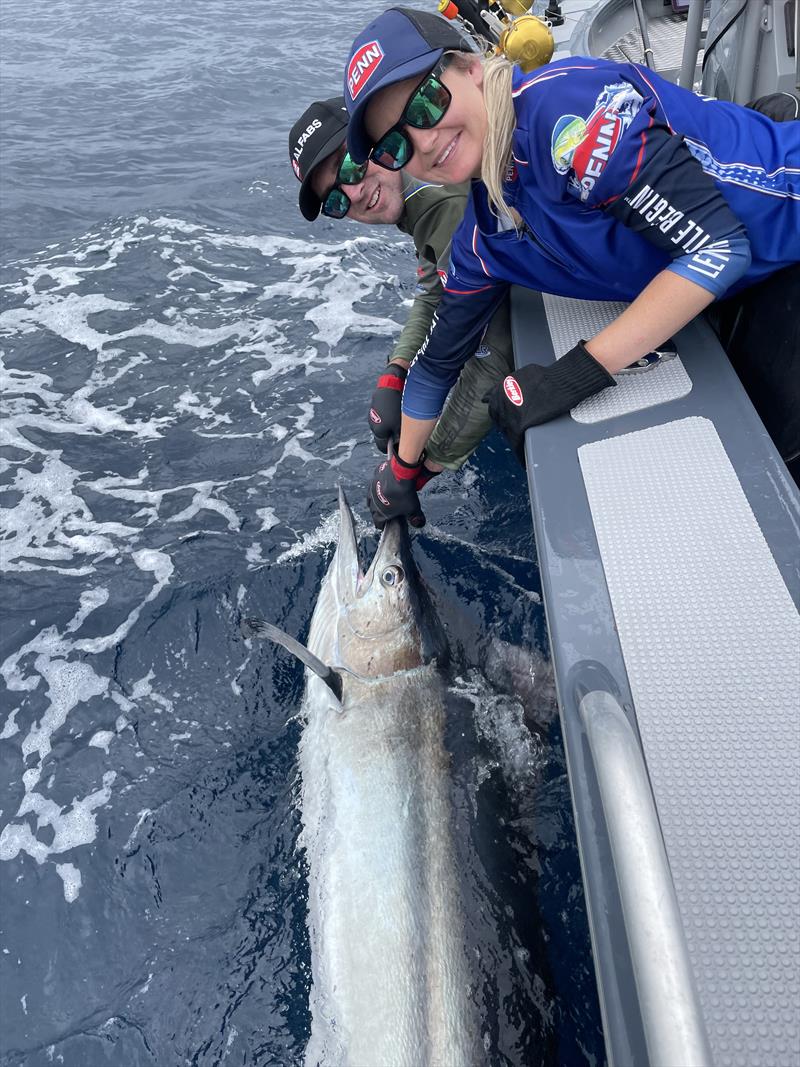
{"x": 591, "y": 179}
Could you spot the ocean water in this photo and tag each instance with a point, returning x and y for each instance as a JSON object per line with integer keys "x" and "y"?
{"x": 185, "y": 370}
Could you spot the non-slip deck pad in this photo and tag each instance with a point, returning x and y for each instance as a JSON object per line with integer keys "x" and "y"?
{"x": 711, "y": 640}
{"x": 573, "y": 320}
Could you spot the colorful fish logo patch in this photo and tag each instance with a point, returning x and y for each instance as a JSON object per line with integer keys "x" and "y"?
{"x": 584, "y": 146}
{"x": 568, "y": 133}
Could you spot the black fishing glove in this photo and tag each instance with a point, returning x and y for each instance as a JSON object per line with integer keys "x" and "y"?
{"x": 384, "y": 412}
{"x": 536, "y": 394}
{"x": 424, "y": 476}
{"x": 392, "y": 493}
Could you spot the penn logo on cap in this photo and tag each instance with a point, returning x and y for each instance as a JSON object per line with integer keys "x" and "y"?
{"x": 362, "y": 66}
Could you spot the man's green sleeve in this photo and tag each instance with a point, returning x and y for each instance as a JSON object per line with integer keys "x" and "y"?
{"x": 431, "y": 216}
{"x": 426, "y": 300}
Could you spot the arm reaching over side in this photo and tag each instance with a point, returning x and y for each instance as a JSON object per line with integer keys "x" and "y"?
{"x": 669, "y": 199}
{"x": 536, "y": 394}
{"x": 660, "y": 310}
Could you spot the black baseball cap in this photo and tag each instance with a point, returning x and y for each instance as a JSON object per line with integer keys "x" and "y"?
{"x": 319, "y": 132}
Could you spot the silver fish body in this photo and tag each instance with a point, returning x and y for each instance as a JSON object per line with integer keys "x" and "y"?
{"x": 392, "y": 982}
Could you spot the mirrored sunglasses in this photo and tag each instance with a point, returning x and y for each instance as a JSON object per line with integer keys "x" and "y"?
{"x": 337, "y": 203}
{"x": 425, "y": 109}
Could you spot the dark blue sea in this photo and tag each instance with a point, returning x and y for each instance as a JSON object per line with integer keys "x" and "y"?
{"x": 185, "y": 370}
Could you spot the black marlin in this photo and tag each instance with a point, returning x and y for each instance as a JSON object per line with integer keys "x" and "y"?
{"x": 392, "y": 981}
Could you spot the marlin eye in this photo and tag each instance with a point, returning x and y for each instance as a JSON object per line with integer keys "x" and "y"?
{"x": 392, "y": 576}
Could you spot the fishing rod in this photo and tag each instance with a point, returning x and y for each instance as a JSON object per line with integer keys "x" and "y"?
{"x": 503, "y": 26}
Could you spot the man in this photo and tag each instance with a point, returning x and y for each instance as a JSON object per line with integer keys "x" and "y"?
{"x": 429, "y": 214}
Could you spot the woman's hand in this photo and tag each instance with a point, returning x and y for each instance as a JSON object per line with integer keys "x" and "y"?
{"x": 536, "y": 394}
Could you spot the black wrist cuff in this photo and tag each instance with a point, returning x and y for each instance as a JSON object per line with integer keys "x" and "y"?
{"x": 578, "y": 375}
{"x": 405, "y": 472}
{"x": 409, "y": 466}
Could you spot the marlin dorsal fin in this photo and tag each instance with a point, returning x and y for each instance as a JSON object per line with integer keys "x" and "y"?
{"x": 260, "y": 628}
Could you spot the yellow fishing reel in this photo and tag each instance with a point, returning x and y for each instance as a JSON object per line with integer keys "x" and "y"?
{"x": 514, "y": 8}
{"x": 527, "y": 42}
{"x": 524, "y": 39}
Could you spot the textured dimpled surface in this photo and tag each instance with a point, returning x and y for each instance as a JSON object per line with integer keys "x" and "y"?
{"x": 666, "y": 39}
{"x": 573, "y": 320}
{"x": 711, "y": 640}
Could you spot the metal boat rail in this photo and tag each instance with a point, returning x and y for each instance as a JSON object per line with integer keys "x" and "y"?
{"x": 671, "y": 1015}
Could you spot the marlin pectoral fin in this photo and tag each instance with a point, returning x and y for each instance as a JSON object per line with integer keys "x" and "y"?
{"x": 260, "y": 628}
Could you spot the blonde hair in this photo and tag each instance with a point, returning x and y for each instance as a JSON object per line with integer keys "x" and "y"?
{"x": 500, "y": 123}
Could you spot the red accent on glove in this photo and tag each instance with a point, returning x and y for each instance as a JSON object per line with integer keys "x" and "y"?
{"x": 391, "y": 381}
{"x": 424, "y": 476}
{"x": 405, "y": 472}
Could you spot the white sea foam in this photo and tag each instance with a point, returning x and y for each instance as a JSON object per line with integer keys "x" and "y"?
{"x": 102, "y": 739}
{"x": 332, "y": 312}
{"x": 69, "y": 684}
{"x": 234, "y": 1033}
{"x": 144, "y": 688}
{"x": 344, "y": 451}
{"x": 325, "y": 535}
{"x": 189, "y": 403}
{"x": 10, "y": 727}
{"x": 18, "y": 837}
{"x": 71, "y": 877}
{"x": 500, "y": 719}
{"x": 143, "y": 814}
{"x": 268, "y": 518}
{"x": 73, "y": 827}
{"x": 213, "y": 351}
{"x": 65, "y": 315}
{"x": 52, "y": 524}
{"x": 203, "y": 497}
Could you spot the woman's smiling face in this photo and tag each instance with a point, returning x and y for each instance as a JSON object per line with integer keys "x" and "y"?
{"x": 452, "y": 151}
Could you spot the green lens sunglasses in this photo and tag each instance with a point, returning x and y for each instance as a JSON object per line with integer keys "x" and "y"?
{"x": 337, "y": 203}
{"x": 426, "y": 108}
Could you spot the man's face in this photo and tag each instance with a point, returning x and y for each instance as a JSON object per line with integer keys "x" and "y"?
{"x": 377, "y": 199}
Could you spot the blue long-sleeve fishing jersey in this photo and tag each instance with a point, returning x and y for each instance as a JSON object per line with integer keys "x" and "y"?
{"x": 617, "y": 175}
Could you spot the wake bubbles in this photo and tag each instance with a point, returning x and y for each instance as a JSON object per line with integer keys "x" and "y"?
{"x": 161, "y": 380}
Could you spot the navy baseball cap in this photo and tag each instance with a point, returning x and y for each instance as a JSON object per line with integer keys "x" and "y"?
{"x": 319, "y": 132}
{"x": 399, "y": 44}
